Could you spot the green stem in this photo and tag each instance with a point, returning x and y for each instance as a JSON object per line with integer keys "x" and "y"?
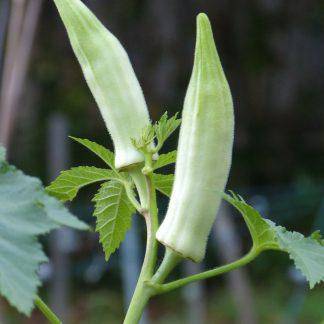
{"x": 162, "y": 288}
{"x": 143, "y": 292}
{"x": 148, "y": 284}
{"x": 47, "y": 312}
{"x": 141, "y": 186}
{"x": 170, "y": 260}
{"x": 132, "y": 198}
{"x": 152, "y": 222}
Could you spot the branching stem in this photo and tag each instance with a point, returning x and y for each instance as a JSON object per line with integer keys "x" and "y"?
{"x": 148, "y": 284}
{"x": 163, "y": 288}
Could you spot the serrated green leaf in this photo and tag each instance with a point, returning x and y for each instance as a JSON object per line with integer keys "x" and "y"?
{"x": 58, "y": 213}
{"x": 160, "y": 130}
{"x": 261, "y": 233}
{"x": 106, "y": 155}
{"x": 146, "y": 139}
{"x": 113, "y": 211}
{"x": 306, "y": 252}
{"x": 20, "y": 257}
{"x": 163, "y": 183}
{"x": 165, "y": 127}
{"x": 25, "y": 212}
{"x": 68, "y": 183}
{"x": 165, "y": 159}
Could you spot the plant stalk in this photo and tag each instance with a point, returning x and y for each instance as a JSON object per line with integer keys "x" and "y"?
{"x": 170, "y": 260}
{"x": 47, "y": 312}
{"x": 148, "y": 284}
{"x": 143, "y": 292}
{"x": 141, "y": 186}
{"x": 163, "y": 288}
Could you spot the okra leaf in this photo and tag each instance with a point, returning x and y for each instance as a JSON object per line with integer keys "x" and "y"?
{"x": 165, "y": 159}
{"x": 106, "y": 155}
{"x": 165, "y": 127}
{"x": 161, "y": 130}
{"x": 260, "y": 230}
{"x": 145, "y": 140}
{"x": 113, "y": 211}
{"x": 163, "y": 183}
{"x": 306, "y": 252}
{"x": 66, "y": 186}
{"x": 26, "y": 212}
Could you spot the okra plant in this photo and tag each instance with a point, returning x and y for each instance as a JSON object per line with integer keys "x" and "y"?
{"x": 131, "y": 179}
{"x": 202, "y": 162}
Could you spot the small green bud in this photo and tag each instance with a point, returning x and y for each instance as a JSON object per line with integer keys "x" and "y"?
{"x": 110, "y": 77}
{"x": 204, "y": 152}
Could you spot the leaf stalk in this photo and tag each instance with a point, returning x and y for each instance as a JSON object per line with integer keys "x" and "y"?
{"x": 163, "y": 288}
{"x": 47, "y": 312}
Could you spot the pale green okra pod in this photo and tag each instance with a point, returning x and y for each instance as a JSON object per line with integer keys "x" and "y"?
{"x": 204, "y": 152}
{"x": 110, "y": 77}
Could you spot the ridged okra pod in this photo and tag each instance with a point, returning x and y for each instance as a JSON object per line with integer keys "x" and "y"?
{"x": 110, "y": 77}
{"x": 204, "y": 152}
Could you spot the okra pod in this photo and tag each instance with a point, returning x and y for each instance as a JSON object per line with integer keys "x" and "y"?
{"x": 204, "y": 152}
{"x": 110, "y": 77}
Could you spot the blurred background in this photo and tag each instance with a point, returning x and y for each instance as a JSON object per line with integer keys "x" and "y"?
{"x": 272, "y": 52}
